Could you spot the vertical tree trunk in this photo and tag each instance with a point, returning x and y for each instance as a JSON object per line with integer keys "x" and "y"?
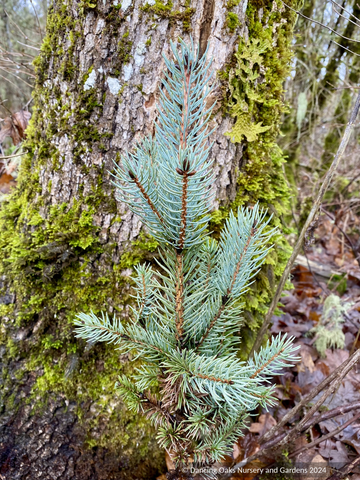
{"x": 68, "y": 245}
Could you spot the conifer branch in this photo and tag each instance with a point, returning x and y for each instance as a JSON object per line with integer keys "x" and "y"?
{"x": 211, "y": 325}
{"x": 135, "y": 179}
{"x": 239, "y": 263}
{"x": 230, "y": 288}
{"x": 92, "y": 325}
{"x": 266, "y": 364}
{"x": 203, "y": 396}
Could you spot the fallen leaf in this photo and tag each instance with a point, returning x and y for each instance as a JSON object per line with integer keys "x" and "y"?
{"x": 169, "y": 463}
{"x": 15, "y": 126}
{"x": 306, "y": 360}
{"x": 6, "y": 183}
{"x": 21, "y": 120}
{"x": 265, "y": 423}
{"x": 245, "y": 447}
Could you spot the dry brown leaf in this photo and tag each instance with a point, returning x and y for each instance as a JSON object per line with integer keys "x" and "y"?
{"x": 8, "y": 129}
{"x": 21, "y": 120}
{"x": 169, "y": 463}
{"x": 306, "y": 360}
{"x": 6, "y": 183}
{"x": 15, "y": 126}
{"x": 245, "y": 447}
{"x": 265, "y": 423}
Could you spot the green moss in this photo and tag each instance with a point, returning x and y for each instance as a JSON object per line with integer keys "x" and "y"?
{"x": 232, "y": 3}
{"x": 253, "y": 95}
{"x": 123, "y": 50}
{"x": 232, "y": 21}
{"x": 12, "y": 348}
{"x": 53, "y": 257}
{"x": 49, "y": 342}
{"x": 166, "y": 11}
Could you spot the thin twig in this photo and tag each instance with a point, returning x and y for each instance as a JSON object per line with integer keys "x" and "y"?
{"x": 12, "y": 156}
{"x": 16, "y": 25}
{"x": 356, "y": 255}
{"x": 325, "y": 437}
{"x": 345, "y": 48}
{"x": 332, "y": 385}
{"x": 327, "y": 180}
{"x": 348, "y": 468}
{"x": 348, "y": 19}
{"x": 351, "y": 182}
{"x": 349, "y": 13}
{"x": 29, "y": 46}
{"x": 271, "y": 439}
{"x": 37, "y": 19}
{"x": 334, "y": 412}
{"x": 338, "y": 376}
{"x": 321, "y": 24}
{"x": 19, "y": 78}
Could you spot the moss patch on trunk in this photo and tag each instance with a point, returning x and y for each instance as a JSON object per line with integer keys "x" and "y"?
{"x": 253, "y": 95}
{"x": 53, "y": 259}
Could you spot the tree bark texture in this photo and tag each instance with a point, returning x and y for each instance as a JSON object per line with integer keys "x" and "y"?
{"x": 68, "y": 246}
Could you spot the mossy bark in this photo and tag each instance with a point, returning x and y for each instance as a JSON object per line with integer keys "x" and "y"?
{"x": 68, "y": 246}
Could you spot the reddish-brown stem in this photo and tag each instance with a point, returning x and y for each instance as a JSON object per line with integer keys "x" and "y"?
{"x": 179, "y": 293}
{"x": 237, "y": 269}
{"x": 144, "y": 295}
{"x": 214, "y": 379}
{"x": 183, "y": 134}
{"x": 267, "y": 363}
{"x": 183, "y": 210}
{"x": 146, "y": 196}
{"x": 214, "y": 320}
{"x": 229, "y": 290}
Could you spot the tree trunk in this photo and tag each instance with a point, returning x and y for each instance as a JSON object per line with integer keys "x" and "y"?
{"x": 68, "y": 246}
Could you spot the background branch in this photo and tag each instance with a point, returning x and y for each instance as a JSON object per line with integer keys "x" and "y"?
{"x": 327, "y": 180}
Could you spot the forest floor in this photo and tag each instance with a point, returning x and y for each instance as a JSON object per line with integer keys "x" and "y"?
{"x": 329, "y": 269}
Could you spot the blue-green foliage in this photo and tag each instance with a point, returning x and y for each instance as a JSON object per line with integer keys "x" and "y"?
{"x": 185, "y": 326}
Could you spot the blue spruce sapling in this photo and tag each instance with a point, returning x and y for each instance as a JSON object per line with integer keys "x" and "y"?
{"x": 185, "y": 327}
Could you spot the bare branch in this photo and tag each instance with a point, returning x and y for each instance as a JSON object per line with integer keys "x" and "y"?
{"x": 321, "y": 24}
{"x": 325, "y": 437}
{"x": 327, "y": 180}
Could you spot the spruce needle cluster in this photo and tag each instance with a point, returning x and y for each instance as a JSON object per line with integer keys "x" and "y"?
{"x": 185, "y": 324}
